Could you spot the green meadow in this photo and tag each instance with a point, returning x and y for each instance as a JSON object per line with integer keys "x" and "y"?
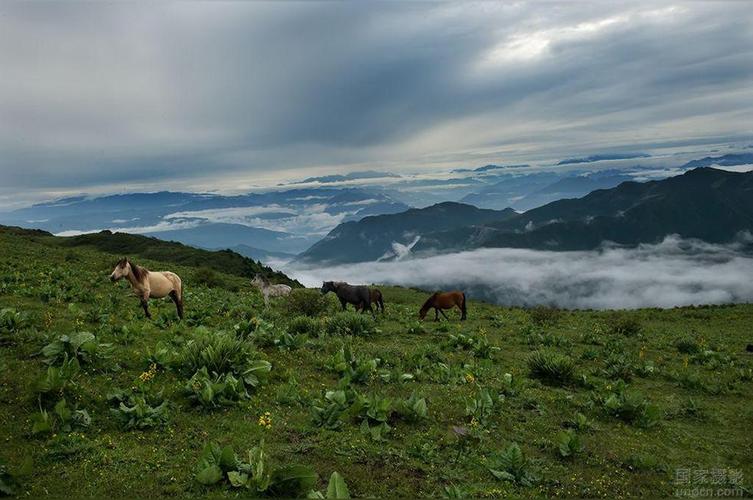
{"x": 303, "y": 400}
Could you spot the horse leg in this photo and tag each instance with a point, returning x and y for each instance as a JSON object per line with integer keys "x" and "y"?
{"x": 178, "y": 303}
{"x": 443, "y": 314}
{"x": 436, "y": 314}
{"x": 344, "y": 304}
{"x": 145, "y": 305}
{"x": 371, "y": 310}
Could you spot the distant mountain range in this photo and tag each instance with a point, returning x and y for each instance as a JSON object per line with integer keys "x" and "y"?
{"x": 367, "y": 174}
{"x": 490, "y": 168}
{"x": 386, "y": 237}
{"x": 261, "y": 255}
{"x": 602, "y": 157}
{"x": 534, "y": 190}
{"x": 704, "y": 203}
{"x": 286, "y": 221}
{"x": 221, "y": 235}
{"x": 727, "y": 160}
{"x": 281, "y": 222}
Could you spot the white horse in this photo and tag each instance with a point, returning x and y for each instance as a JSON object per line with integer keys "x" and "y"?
{"x": 269, "y": 290}
{"x": 148, "y": 284}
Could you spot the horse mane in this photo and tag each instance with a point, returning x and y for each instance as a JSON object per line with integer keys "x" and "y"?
{"x": 139, "y": 273}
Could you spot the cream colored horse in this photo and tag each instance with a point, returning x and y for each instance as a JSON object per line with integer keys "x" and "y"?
{"x": 148, "y": 284}
{"x": 269, "y": 290}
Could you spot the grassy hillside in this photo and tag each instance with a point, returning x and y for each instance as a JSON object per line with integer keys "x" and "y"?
{"x": 144, "y": 247}
{"x": 510, "y": 402}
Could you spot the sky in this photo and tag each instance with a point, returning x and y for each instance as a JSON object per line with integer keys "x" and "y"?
{"x": 202, "y": 96}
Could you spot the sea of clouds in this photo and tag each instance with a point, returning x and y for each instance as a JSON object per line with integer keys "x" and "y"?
{"x": 672, "y": 273}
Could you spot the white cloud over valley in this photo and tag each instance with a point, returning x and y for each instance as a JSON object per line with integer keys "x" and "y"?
{"x": 673, "y": 273}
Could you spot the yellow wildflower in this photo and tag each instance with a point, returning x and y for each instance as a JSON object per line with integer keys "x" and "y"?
{"x": 265, "y": 420}
{"x": 149, "y": 374}
{"x": 470, "y": 378}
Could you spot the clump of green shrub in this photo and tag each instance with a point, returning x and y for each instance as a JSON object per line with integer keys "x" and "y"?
{"x": 327, "y": 411}
{"x": 57, "y": 378}
{"x": 139, "y": 409}
{"x": 413, "y": 409}
{"x": 620, "y": 324}
{"x": 481, "y": 406}
{"x": 215, "y": 390}
{"x": 619, "y": 366}
{"x": 218, "y": 352}
{"x": 257, "y": 476}
{"x": 80, "y": 345}
{"x": 513, "y": 466}
{"x": 630, "y": 406}
{"x": 544, "y": 316}
{"x": 350, "y": 368}
{"x": 336, "y": 488}
{"x": 305, "y": 325}
{"x": 478, "y": 344}
{"x": 350, "y": 323}
{"x": 62, "y": 419}
{"x": 11, "y": 321}
{"x": 644, "y": 462}
{"x": 233, "y": 363}
{"x": 688, "y": 345}
{"x": 552, "y": 368}
{"x": 580, "y": 423}
{"x": 208, "y": 277}
{"x": 306, "y": 302}
{"x": 569, "y": 443}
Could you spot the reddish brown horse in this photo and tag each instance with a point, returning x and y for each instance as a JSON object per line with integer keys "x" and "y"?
{"x": 444, "y": 300}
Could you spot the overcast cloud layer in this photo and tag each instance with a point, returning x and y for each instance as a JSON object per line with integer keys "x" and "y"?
{"x": 216, "y": 95}
{"x": 673, "y": 273}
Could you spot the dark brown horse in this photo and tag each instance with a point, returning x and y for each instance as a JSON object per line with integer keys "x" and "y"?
{"x": 375, "y": 297}
{"x": 444, "y": 300}
{"x": 358, "y": 295}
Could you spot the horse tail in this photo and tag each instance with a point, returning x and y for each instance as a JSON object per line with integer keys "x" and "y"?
{"x": 177, "y": 294}
{"x": 380, "y": 300}
{"x": 179, "y": 287}
{"x": 463, "y": 309}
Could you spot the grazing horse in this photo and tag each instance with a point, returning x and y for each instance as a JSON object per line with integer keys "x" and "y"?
{"x": 444, "y": 300}
{"x": 358, "y": 295}
{"x": 269, "y": 290}
{"x": 148, "y": 284}
{"x": 375, "y": 297}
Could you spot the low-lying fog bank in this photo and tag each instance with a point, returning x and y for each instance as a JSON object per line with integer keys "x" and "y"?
{"x": 672, "y": 273}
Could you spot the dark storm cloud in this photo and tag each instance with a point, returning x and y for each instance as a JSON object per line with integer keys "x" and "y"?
{"x": 119, "y": 93}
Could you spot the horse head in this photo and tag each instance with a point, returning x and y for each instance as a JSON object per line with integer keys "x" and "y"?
{"x": 122, "y": 269}
{"x": 328, "y": 286}
{"x": 427, "y": 305}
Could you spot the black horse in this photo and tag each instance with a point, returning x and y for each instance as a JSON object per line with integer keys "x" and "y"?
{"x": 358, "y": 295}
